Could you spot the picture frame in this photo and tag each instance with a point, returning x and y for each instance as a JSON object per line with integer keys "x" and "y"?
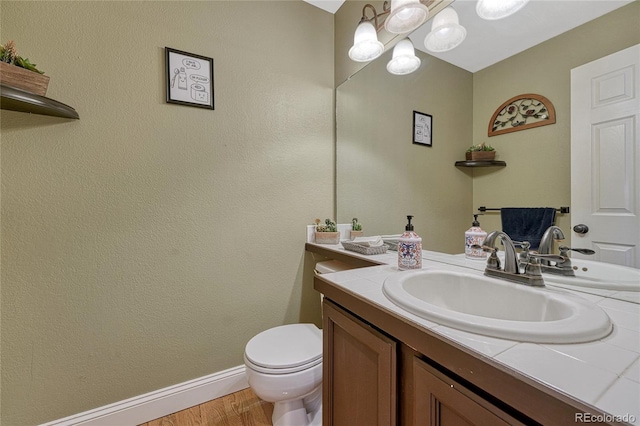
{"x": 189, "y": 79}
{"x": 422, "y": 129}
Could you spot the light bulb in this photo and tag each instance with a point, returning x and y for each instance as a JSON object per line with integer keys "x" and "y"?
{"x": 404, "y": 60}
{"x": 405, "y": 16}
{"x": 366, "y": 46}
{"x": 498, "y": 9}
{"x": 446, "y": 33}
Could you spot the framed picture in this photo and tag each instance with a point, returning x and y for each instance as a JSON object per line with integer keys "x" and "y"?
{"x": 422, "y": 129}
{"x": 189, "y": 79}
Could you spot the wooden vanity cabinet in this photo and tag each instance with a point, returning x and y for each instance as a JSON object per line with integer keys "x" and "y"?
{"x": 436, "y": 399}
{"x": 382, "y": 369}
{"x": 359, "y": 372}
{"x": 371, "y": 379}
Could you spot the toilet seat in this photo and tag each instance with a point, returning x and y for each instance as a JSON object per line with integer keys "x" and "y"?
{"x": 285, "y": 349}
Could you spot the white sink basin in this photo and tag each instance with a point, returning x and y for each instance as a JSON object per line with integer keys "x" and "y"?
{"x": 602, "y": 275}
{"x": 492, "y": 307}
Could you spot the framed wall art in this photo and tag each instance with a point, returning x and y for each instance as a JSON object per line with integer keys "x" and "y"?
{"x": 520, "y": 113}
{"x": 422, "y": 129}
{"x": 189, "y": 79}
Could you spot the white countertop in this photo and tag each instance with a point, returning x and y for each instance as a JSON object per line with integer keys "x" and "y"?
{"x": 604, "y": 373}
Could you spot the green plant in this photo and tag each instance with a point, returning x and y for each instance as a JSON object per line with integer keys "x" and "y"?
{"x": 328, "y": 226}
{"x": 355, "y": 226}
{"x": 480, "y": 147}
{"x": 9, "y": 55}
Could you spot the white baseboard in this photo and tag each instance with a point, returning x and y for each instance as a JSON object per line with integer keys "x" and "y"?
{"x": 153, "y": 405}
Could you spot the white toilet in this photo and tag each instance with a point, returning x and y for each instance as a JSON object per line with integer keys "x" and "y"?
{"x": 284, "y": 366}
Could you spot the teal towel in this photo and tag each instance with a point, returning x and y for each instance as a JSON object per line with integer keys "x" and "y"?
{"x": 527, "y": 223}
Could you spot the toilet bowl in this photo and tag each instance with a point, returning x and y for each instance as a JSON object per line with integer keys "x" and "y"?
{"x": 284, "y": 366}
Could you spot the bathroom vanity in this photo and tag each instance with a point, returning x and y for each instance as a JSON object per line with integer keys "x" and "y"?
{"x": 383, "y": 366}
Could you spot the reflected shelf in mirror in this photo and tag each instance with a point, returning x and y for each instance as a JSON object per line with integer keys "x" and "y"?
{"x": 473, "y": 163}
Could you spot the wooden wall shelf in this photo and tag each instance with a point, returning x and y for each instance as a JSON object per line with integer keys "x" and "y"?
{"x": 472, "y": 163}
{"x": 19, "y": 100}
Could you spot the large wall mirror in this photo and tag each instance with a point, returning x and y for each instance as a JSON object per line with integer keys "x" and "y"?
{"x": 382, "y": 176}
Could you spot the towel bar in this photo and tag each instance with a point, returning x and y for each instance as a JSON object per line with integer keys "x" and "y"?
{"x": 561, "y": 210}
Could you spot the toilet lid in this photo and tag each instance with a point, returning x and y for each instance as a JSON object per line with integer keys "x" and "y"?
{"x": 286, "y": 346}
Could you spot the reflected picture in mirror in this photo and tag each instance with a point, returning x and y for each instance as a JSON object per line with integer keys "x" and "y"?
{"x": 422, "y": 129}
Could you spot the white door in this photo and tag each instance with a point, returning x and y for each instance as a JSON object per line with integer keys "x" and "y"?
{"x": 605, "y": 157}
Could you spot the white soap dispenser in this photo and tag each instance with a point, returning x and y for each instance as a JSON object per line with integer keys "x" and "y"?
{"x": 409, "y": 248}
{"x": 474, "y": 236}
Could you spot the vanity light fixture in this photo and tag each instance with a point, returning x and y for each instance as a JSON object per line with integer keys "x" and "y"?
{"x": 403, "y": 16}
{"x": 498, "y": 9}
{"x": 366, "y": 46}
{"x": 404, "y": 60}
{"x": 406, "y": 16}
{"x": 446, "y": 32}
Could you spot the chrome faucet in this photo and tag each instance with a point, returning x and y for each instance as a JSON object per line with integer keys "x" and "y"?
{"x": 531, "y": 274}
{"x": 510, "y": 255}
{"x": 546, "y": 243}
{"x": 511, "y": 269}
{"x": 563, "y": 267}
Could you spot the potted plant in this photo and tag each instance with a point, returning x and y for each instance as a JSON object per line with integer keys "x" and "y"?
{"x": 481, "y": 152}
{"x": 327, "y": 232}
{"x": 19, "y": 72}
{"x": 356, "y": 229}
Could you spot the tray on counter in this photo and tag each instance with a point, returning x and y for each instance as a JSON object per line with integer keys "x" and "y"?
{"x": 364, "y": 250}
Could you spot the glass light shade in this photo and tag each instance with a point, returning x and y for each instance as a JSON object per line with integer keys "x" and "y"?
{"x": 498, "y": 9}
{"x": 366, "y": 46}
{"x": 405, "y": 16}
{"x": 404, "y": 60}
{"x": 446, "y": 33}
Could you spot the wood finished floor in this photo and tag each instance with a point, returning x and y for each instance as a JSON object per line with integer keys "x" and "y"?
{"x": 242, "y": 408}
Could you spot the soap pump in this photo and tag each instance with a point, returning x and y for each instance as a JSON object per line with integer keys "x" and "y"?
{"x": 409, "y": 248}
{"x": 474, "y": 237}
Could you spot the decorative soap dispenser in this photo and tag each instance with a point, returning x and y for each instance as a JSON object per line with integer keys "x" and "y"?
{"x": 474, "y": 236}
{"x": 409, "y": 248}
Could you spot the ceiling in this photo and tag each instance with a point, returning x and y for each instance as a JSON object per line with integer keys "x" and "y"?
{"x": 328, "y": 5}
{"x": 489, "y": 42}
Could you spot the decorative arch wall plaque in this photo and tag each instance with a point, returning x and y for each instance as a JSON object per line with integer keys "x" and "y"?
{"x": 522, "y": 112}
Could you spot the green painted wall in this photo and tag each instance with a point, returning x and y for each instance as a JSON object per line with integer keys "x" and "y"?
{"x": 146, "y": 243}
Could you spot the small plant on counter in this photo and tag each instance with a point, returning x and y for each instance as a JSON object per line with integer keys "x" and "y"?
{"x": 9, "y": 55}
{"x": 356, "y": 229}
{"x": 327, "y": 232}
{"x": 480, "y": 147}
{"x": 328, "y": 226}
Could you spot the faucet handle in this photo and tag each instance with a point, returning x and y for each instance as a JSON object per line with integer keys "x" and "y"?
{"x": 564, "y": 250}
{"x": 525, "y": 245}
{"x": 493, "y": 262}
{"x": 523, "y": 256}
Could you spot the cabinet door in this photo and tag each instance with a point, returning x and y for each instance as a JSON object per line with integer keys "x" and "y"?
{"x": 439, "y": 400}
{"x": 359, "y": 373}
